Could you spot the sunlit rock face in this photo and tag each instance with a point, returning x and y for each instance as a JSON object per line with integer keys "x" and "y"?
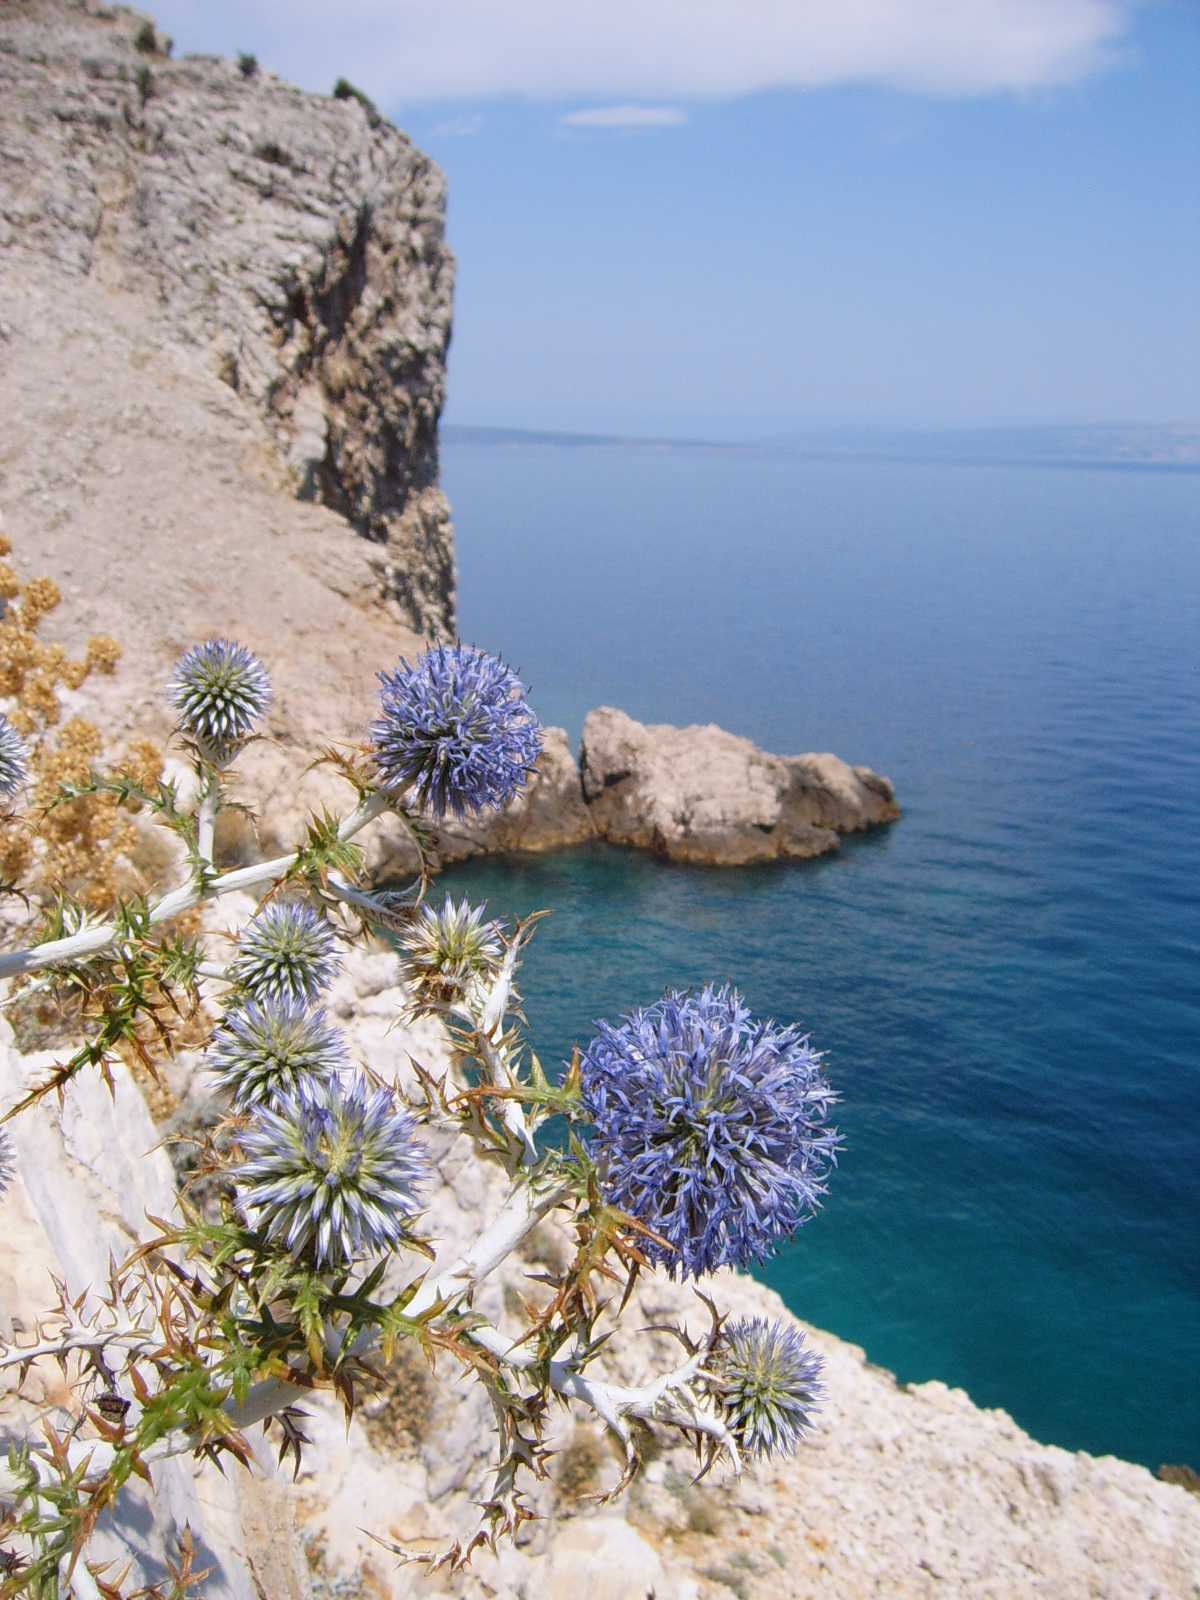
{"x": 705, "y": 795}
{"x": 293, "y": 242}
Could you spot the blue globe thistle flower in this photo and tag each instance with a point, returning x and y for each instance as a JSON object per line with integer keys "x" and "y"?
{"x": 331, "y": 1172}
{"x": 261, "y": 1052}
{"x": 444, "y": 951}
{"x": 14, "y": 759}
{"x": 8, "y": 1161}
{"x": 286, "y": 953}
{"x": 220, "y": 690}
{"x": 767, "y": 1384}
{"x": 456, "y": 730}
{"x": 709, "y": 1127}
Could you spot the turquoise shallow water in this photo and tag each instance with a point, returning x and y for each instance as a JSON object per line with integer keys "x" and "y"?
{"x": 1005, "y": 981}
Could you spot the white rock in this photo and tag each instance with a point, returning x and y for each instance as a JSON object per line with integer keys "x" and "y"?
{"x": 705, "y": 795}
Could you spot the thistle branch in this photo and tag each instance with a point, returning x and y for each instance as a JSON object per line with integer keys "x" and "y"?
{"x": 206, "y": 822}
{"x": 89, "y": 940}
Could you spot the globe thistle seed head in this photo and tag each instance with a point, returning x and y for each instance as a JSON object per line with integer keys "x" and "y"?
{"x": 14, "y": 759}
{"x": 709, "y": 1127}
{"x": 331, "y": 1171}
{"x": 767, "y": 1384}
{"x": 262, "y": 1051}
{"x": 444, "y": 952}
{"x": 286, "y": 953}
{"x": 8, "y": 1161}
{"x": 220, "y": 690}
{"x": 456, "y": 730}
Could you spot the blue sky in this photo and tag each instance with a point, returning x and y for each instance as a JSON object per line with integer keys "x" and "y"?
{"x": 741, "y": 216}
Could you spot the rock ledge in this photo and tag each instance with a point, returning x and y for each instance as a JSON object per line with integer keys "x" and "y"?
{"x": 702, "y": 794}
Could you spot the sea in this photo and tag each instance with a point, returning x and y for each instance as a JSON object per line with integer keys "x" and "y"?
{"x": 1004, "y": 982}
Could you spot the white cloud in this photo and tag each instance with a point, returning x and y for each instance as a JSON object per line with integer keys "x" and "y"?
{"x": 625, "y": 117}
{"x": 457, "y": 127}
{"x": 408, "y": 51}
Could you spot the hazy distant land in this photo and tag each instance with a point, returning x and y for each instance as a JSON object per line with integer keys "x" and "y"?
{"x": 1164, "y": 445}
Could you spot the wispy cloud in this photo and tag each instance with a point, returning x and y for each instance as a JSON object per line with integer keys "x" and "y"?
{"x": 457, "y": 127}
{"x": 625, "y": 117}
{"x": 664, "y": 50}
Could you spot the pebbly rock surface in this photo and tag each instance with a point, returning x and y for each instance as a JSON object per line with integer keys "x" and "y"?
{"x": 287, "y": 245}
{"x": 704, "y": 795}
{"x": 902, "y": 1492}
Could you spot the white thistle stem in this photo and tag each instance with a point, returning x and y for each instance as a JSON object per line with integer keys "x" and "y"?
{"x": 89, "y": 940}
{"x": 521, "y": 1212}
{"x": 669, "y": 1398}
{"x": 485, "y": 1013}
{"x": 512, "y": 1115}
{"x": 127, "y": 1336}
{"x": 206, "y": 820}
{"x": 344, "y": 890}
{"x": 515, "y": 1220}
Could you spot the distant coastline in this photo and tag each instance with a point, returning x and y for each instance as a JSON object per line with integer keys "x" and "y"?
{"x": 1169, "y": 447}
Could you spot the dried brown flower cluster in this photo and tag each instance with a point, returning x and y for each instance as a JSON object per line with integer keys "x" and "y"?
{"x": 76, "y": 847}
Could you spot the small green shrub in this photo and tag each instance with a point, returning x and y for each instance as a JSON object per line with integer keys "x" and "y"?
{"x": 247, "y": 65}
{"x": 581, "y": 1465}
{"x": 272, "y": 153}
{"x": 146, "y": 40}
{"x": 729, "y": 1579}
{"x": 144, "y": 83}
{"x": 1186, "y": 1477}
{"x": 344, "y": 90}
{"x": 402, "y": 1412}
{"x": 704, "y": 1511}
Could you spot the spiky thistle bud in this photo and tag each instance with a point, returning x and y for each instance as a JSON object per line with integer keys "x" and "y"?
{"x": 260, "y": 1052}
{"x": 709, "y": 1128}
{"x": 14, "y": 759}
{"x": 331, "y": 1172}
{"x": 456, "y": 731}
{"x": 220, "y": 690}
{"x": 443, "y": 953}
{"x": 767, "y": 1384}
{"x": 286, "y": 953}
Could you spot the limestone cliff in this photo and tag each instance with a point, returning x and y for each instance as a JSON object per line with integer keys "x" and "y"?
{"x": 287, "y": 245}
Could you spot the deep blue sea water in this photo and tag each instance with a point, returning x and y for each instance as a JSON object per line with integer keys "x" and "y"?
{"x": 1005, "y": 981}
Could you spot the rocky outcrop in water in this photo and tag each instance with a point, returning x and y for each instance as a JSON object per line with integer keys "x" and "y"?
{"x": 702, "y": 794}
{"x": 548, "y": 814}
{"x": 290, "y": 245}
{"x": 698, "y": 794}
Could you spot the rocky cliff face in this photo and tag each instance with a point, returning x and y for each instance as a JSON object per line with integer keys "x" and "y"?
{"x": 288, "y": 245}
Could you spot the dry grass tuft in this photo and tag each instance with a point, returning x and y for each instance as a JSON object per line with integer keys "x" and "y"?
{"x": 79, "y": 848}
